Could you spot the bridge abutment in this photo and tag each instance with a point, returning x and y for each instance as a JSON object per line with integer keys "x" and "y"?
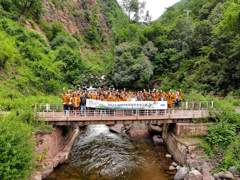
{"x": 54, "y": 148}
{"x": 183, "y": 143}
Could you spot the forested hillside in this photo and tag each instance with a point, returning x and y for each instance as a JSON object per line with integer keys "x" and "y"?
{"x": 194, "y": 45}
{"x": 49, "y": 45}
{"x": 208, "y": 44}
{"x": 46, "y": 46}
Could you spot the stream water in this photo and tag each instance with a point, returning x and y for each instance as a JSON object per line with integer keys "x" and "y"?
{"x": 99, "y": 154}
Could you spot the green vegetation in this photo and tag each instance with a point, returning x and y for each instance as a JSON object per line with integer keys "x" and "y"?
{"x": 38, "y": 59}
{"x": 22, "y": 8}
{"x": 40, "y": 55}
{"x": 16, "y": 150}
{"x": 232, "y": 155}
{"x": 199, "y": 50}
{"x": 223, "y": 133}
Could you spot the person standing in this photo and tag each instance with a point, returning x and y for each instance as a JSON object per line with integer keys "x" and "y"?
{"x": 170, "y": 99}
{"x": 65, "y": 102}
{"x": 177, "y": 100}
{"x": 83, "y": 102}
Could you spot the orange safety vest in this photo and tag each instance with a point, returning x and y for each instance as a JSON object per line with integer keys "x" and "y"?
{"x": 64, "y": 99}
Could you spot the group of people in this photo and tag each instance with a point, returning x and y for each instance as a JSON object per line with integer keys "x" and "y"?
{"x": 76, "y": 100}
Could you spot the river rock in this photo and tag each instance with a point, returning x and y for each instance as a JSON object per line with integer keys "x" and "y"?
{"x": 138, "y": 130}
{"x": 172, "y": 168}
{"x": 194, "y": 163}
{"x": 233, "y": 170}
{"x": 45, "y": 173}
{"x": 178, "y": 167}
{"x": 228, "y": 175}
{"x": 37, "y": 176}
{"x": 157, "y": 139}
{"x": 174, "y": 164}
{"x": 155, "y": 128}
{"x": 206, "y": 172}
{"x": 181, "y": 173}
{"x": 117, "y": 128}
{"x": 207, "y": 175}
{"x": 168, "y": 156}
{"x": 224, "y": 175}
{"x": 194, "y": 175}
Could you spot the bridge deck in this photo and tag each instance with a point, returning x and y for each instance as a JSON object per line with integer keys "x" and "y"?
{"x": 122, "y": 116}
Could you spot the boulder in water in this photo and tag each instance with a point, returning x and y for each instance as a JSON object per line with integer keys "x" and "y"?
{"x": 155, "y": 128}
{"x": 172, "y": 168}
{"x": 224, "y": 175}
{"x": 138, "y": 130}
{"x": 168, "y": 156}
{"x": 181, "y": 173}
{"x": 157, "y": 139}
{"x": 194, "y": 175}
{"x": 174, "y": 164}
{"x": 117, "y": 128}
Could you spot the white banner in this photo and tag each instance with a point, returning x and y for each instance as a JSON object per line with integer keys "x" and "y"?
{"x": 91, "y": 103}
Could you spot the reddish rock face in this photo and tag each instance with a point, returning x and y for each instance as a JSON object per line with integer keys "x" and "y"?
{"x": 50, "y": 144}
{"x": 54, "y": 149}
{"x": 73, "y": 17}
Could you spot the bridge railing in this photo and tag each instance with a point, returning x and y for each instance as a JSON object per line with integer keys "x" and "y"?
{"x": 96, "y": 115}
{"x": 203, "y": 105}
{"x": 102, "y": 113}
{"x": 119, "y": 113}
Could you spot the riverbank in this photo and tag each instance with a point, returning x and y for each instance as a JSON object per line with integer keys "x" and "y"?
{"x": 185, "y": 157}
{"x": 53, "y": 150}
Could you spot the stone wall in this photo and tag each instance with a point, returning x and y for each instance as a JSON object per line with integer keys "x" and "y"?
{"x": 191, "y": 129}
{"x": 176, "y": 149}
{"x": 185, "y": 150}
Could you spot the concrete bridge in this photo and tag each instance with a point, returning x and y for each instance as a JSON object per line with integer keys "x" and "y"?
{"x": 56, "y": 116}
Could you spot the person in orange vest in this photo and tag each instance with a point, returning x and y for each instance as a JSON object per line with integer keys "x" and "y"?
{"x": 170, "y": 99}
{"x": 71, "y": 101}
{"x": 110, "y": 97}
{"x": 76, "y": 101}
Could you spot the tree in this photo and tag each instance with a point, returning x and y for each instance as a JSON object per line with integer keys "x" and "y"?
{"x": 131, "y": 67}
{"x": 150, "y": 50}
{"x": 133, "y": 9}
{"x": 32, "y": 8}
{"x": 201, "y": 36}
{"x": 147, "y": 18}
{"x": 29, "y": 7}
{"x": 73, "y": 66}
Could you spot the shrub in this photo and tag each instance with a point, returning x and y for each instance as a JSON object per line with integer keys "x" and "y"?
{"x": 207, "y": 148}
{"x": 221, "y": 134}
{"x": 16, "y": 150}
{"x": 232, "y": 155}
